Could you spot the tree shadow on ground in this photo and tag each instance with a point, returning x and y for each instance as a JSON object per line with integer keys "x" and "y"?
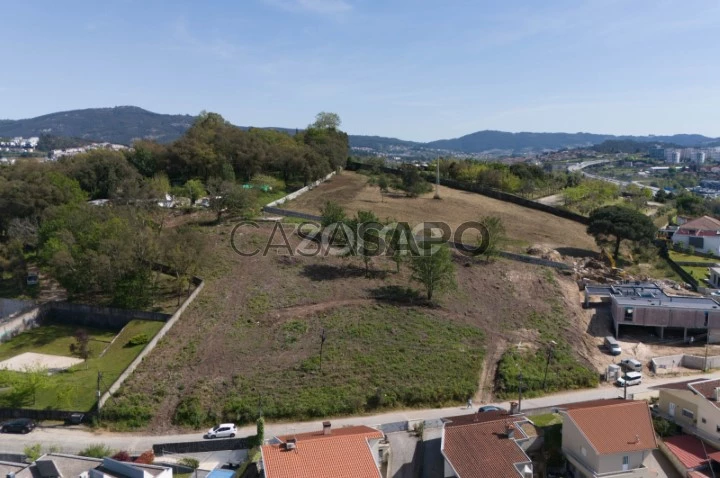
{"x": 398, "y": 294}
{"x": 324, "y": 272}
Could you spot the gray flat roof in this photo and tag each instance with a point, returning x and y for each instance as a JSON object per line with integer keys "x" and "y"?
{"x": 698, "y": 303}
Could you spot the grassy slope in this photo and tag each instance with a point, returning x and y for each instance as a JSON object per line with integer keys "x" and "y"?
{"x": 75, "y": 388}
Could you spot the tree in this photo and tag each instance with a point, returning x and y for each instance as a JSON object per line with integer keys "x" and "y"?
{"x": 81, "y": 346}
{"x": 192, "y": 463}
{"x": 325, "y": 120}
{"x": 260, "y": 426}
{"x": 228, "y": 197}
{"x": 34, "y": 380}
{"x": 383, "y": 184}
{"x": 412, "y": 182}
{"x": 435, "y": 271}
{"x": 496, "y": 236}
{"x": 620, "y": 223}
{"x": 661, "y": 195}
{"x": 332, "y": 213}
{"x": 122, "y": 455}
{"x": 146, "y": 458}
{"x": 367, "y": 227}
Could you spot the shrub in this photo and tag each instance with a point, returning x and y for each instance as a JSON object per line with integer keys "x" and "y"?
{"x": 33, "y": 452}
{"x": 189, "y": 412}
{"x": 138, "y": 339}
{"x": 193, "y": 463}
{"x": 146, "y": 458}
{"x": 664, "y": 427}
{"x": 122, "y": 456}
{"x": 96, "y": 451}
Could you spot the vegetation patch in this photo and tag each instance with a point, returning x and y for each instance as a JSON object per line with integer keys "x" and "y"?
{"x": 75, "y": 388}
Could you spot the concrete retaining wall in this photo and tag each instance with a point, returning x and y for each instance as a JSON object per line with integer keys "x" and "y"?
{"x": 151, "y": 345}
{"x": 300, "y": 191}
{"x": 667, "y": 363}
{"x": 20, "y": 323}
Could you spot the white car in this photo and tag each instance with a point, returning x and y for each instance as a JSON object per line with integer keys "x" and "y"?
{"x": 224, "y": 430}
{"x": 630, "y": 378}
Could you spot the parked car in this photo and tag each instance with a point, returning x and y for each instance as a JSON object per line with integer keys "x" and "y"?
{"x": 630, "y": 378}
{"x": 224, "y": 430}
{"x": 612, "y": 345}
{"x": 631, "y": 365}
{"x": 490, "y": 408}
{"x": 19, "y": 425}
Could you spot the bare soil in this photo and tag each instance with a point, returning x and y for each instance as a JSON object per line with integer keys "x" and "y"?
{"x": 524, "y": 226}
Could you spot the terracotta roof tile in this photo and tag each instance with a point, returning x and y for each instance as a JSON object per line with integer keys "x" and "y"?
{"x": 703, "y": 387}
{"x": 482, "y": 449}
{"x": 699, "y": 225}
{"x": 689, "y": 450}
{"x": 345, "y": 453}
{"x": 623, "y": 426}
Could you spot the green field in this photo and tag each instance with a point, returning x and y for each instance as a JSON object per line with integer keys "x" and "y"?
{"x": 75, "y": 388}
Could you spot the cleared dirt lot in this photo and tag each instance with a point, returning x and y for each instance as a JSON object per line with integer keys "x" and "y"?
{"x": 524, "y": 226}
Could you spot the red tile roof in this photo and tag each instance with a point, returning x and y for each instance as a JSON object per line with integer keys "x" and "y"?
{"x": 703, "y": 387}
{"x": 345, "y": 453}
{"x": 482, "y": 449}
{"x": 702, "y": 226}
{"x": 621, "y": 426}
{"x": 689, "y": 450}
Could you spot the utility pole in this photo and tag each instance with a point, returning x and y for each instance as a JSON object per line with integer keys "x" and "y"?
{"x": 625, "y": 388}
{"x": 706, "y": 353}
{"x": 551, "y": 346}
{"x": 520, "y": 387}
{"x": 322, "y": 342}
{"x": 437, "y": 179}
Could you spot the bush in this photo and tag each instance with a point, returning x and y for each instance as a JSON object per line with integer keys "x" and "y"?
{"x": 139, "y": 339}
{"x": 128, "y": 411}
{"x": 33, "y": 452}
{"x": 193, "y": 463}
{"x": 189, "y": 413}
{"x": 664, "y": 427}
{"x": 97, "y": 451}
{"x": 122, "y": 456}
{"x": 146, "y": 458}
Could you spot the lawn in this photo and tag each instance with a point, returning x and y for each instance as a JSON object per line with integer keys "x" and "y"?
{"x": 75, "y": 388}
{"x": 546, "y": 419}
{"x": 54, "y": 339}
{"x": 682, "y": 257}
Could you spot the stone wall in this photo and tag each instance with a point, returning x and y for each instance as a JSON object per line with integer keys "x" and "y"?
{"x": 20, "y": 323}
{"x": 94, "y": 316}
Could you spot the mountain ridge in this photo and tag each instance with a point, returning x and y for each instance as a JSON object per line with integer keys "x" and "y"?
{"x": 123, "y": 124}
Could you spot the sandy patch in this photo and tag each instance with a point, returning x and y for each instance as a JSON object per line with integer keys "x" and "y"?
{"x": 32, "y": 360}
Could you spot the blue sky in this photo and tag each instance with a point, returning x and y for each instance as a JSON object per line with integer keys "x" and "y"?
{"x": 412, "y": 69}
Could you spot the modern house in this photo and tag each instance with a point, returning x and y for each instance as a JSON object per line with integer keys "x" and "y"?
{"x": 348, "y": 452}
{"x": 488, "y": 445}
{"x": 608, "y": 438}
{"x": 702, "y": 233}
{"x": 57, "y": 465}
{"x": 645, "y": 304}
{"x": 695, "y": 406}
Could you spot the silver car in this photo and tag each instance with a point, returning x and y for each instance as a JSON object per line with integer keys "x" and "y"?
{"x": 224, "y": 430}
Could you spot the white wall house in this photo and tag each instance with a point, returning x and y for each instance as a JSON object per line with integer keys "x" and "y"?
{"x": 703, "y": 234}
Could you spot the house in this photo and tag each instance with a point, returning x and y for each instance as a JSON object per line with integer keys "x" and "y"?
{"x": 608, "y": 438}
{"x": 694, "y": 405}
{"x": 348, "y": 452}
{"x": 488, "y": 445}
{"x": 645, "y": 304}
{"x": 690, "y": 456}
{"x": 702, "y": 233}
{"x": 57, "y": 465}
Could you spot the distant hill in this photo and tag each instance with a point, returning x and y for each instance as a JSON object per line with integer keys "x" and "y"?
{"x": 123, "y": 124}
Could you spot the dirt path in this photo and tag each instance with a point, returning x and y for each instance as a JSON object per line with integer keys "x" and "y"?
{"x": 304, "y": 310}
{"x": 486, "y": 383}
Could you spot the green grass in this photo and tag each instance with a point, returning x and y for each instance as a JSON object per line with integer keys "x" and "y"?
{"x": 375, "y": 357}
{"x": 75, "y": 388}
{"x": 682, "y": 257}
{"x": 546, "y": 419}
{"x": 54, "y": 339}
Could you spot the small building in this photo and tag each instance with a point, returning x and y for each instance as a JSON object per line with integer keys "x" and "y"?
{"x": 702, "y": 233}
{"x": 645, "y": 304}
{"x": 694, "y": 405}
{"x": 488, "y": 445}
{"x": 690, "y": 456}
{"x": 58, "y": 465}
{"x": 608, "y": 438}
{"x": 348, "y": 452}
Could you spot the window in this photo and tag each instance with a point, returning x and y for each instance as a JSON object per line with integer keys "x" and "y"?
{"x": 717, "y": 428}
{"x": 703, "y": 420}
{"x": 626, "y": 460}
{"x": 628, "y": 314}
{"x": 687, "y": 413}
{"x": 707, "y": 317}
{"x": 696, "y": 242}
{"x": 583, "y": 451}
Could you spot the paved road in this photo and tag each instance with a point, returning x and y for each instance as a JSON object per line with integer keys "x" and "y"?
{"x": 585, "y": 164}
{"x": 72, "y": 440}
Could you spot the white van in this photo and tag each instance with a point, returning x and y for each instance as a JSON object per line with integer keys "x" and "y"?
{"x": 630, "y": 378}
{"x": 612, "y": 345}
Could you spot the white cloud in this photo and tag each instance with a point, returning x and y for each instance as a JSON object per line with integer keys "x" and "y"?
{"x": 323, "y": 7}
